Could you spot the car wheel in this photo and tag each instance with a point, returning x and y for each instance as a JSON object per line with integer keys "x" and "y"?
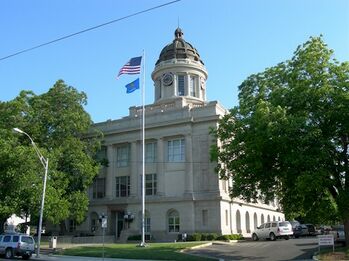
{"x": 272, "y": 236}
{"x": 255, "y": 237}
{"x": 287, "y": 237}
{"x": 8, "y": 253}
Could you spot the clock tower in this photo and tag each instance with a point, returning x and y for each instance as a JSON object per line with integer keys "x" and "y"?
{"x": 180, "y": 73}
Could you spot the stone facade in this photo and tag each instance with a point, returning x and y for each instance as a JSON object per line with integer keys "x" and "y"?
{"x": 183, "y": 192}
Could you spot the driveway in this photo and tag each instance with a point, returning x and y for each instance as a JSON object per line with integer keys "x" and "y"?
{"x": 279, "y": 250}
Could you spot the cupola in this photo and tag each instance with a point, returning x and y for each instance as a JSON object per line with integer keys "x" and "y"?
{"x": 180, "y": 72}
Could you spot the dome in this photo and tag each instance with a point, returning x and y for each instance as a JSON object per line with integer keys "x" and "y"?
{"x": 179, "y": 49}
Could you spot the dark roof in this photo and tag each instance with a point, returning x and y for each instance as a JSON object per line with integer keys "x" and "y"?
{"x": 179, "y": 49}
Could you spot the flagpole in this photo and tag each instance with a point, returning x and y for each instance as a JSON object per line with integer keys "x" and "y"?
{"x": 143, "y": 153}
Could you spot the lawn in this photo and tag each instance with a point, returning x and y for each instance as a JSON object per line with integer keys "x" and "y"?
{"x": 341, "y": 253}
{"x": 154, "y": 251}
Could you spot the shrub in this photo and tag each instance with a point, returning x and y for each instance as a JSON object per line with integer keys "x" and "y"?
{"x": 194, "y": 237}
{"x": 134, "y": 237}
{"x": 211, "y": 236}
{"x": 223, "y": 237}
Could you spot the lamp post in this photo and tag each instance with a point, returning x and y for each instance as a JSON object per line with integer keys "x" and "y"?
{"x": 44, "y": 163}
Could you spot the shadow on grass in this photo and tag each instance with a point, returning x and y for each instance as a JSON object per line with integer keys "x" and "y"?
{"x": 154, "y": 251}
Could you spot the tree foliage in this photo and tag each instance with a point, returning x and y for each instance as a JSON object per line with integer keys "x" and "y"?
{"x": 58, "y": 123}
{"x": 289, "y": 136}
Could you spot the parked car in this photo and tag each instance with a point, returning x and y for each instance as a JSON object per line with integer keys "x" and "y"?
{"x": 17, "y": 245}
{"x": 296, "y": 228}
{"x": 273, "y": 230}
{"x": 338, "y": 233}
{"x": 305, "y": 231}
{"x": 311, "y": 229}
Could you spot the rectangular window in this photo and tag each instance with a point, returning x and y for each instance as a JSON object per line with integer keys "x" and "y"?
{"x": 204, "y": 217}
{"x": 99, "y": 188}
{"x": 150, "y": 184}
{"x": 123, "y": 156}
{"x": 180, "y": 85}
{"x": 226, "y": 218}
{"x": 122, "y": 186}
{"x": 150, "y": 152}
{"x": 192, "y": 86}
{"x": 175, "y": 150}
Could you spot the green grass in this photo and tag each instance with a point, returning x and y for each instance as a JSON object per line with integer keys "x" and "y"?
{"x": 154, "y": 251}
{"x": 340, "y": 253}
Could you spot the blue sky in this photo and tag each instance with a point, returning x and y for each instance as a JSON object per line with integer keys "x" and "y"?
{"x": 235, "y": 38}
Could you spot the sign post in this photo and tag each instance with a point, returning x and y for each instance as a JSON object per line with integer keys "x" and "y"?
{"x": 326, "y": 240}
{"x": 104, "y": 221}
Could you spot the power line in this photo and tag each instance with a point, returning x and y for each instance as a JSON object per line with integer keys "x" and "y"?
{"x": 88, "y": 29}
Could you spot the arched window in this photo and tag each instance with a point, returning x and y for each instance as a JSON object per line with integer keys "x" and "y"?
{"x": 268, "y": 218}
{"x": 255, "y": 220}
{"x": 247, "y": 222}
{"x": 238, "y": 221}
{"x": 173, "y": 221}
{"x": 274, "y": 219}
{"x": 262, "y": 219}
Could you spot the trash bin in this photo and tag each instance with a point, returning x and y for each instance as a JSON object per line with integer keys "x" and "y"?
{"x": 53, "y": 242}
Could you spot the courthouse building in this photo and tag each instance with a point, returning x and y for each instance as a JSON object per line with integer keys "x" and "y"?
{"x": 183, "y": 192}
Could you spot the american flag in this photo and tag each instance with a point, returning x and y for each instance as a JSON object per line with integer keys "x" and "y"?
{"x": 133, "y": 66}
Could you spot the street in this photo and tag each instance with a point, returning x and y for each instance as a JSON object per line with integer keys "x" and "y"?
{"x": 279, "y": 250}
{"x": 293, "y": 249}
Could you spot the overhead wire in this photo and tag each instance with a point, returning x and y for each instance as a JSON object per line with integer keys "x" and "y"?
{"x": 87, "y": 30}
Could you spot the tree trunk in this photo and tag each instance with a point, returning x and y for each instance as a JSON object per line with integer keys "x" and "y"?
{"x": 63, "y": 228}
{"x": 346, "y": 231}
{"x": 2, "y": 222}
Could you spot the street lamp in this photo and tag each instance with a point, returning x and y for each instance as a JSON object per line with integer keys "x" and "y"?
{"x": 44, "y": 162}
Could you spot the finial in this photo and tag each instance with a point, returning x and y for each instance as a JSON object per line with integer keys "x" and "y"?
{"x": 178, "y": 33}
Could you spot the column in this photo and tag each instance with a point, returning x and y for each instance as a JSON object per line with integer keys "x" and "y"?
{"x": 134, "y": 174}
{"x": 175, "y": 85}
{"x": 160, "y": 169}
{"x": 186, "y": 85}
{"x": 110, "y": 175}
{"x": 189, "y": 164}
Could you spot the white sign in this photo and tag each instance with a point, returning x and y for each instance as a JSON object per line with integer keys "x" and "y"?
{"x": 326, "y": 240}
{"x": 104, "y": 222}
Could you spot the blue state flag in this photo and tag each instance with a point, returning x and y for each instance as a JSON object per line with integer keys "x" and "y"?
{"x": 132, "y": 86}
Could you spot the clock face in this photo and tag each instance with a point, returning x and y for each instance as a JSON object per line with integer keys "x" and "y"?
{"x": 167, "y": 79}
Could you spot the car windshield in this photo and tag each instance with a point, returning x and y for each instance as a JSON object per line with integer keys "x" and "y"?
{"x": 283, "y": 224}
{"x": 27, "y": 240}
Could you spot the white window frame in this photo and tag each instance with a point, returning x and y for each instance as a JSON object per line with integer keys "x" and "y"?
{"x": 176, "y": 150}
{"x": 173, "y": 222}
{"x": 151, "y": 180}
{"x": 98, "y": 189}
{"x": 123, "y": 156}
{"x": 119, "y": 181}
{"x": 150, "y": 152}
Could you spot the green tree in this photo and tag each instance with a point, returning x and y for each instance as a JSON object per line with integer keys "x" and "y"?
{"x": 289, "y": 136}
{"x": 59, "y": 125}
